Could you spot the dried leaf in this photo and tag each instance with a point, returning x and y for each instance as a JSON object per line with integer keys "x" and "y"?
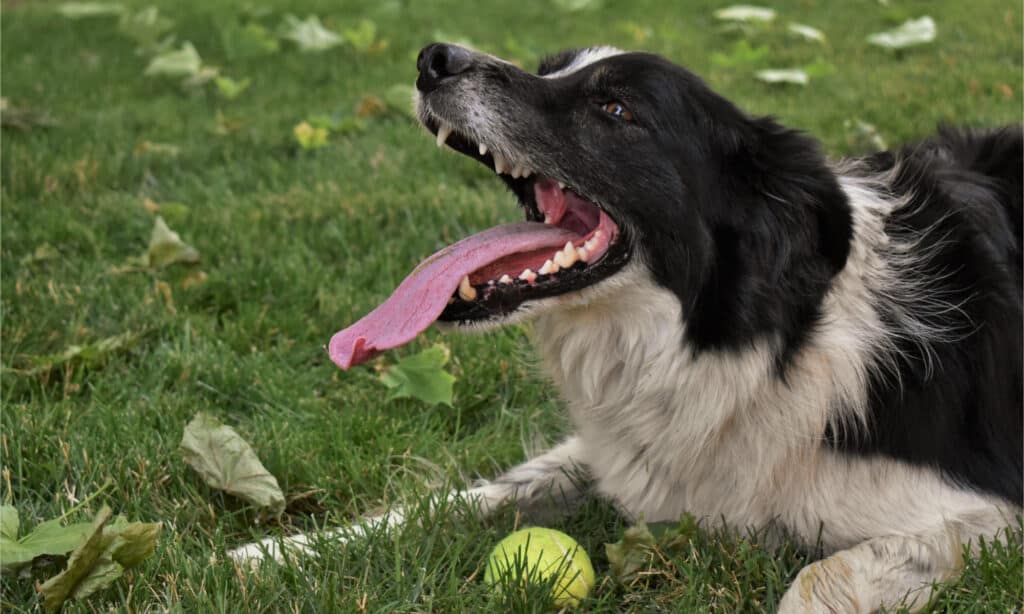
{"x": 806, "y": 32}
{"x": 745, "y": 13}
{"x": 43, "y": 252}
{"x": 631, "y": 554}
{"x": 422, "y": 377}
{"x": 911, "y": 32}
{"x": 90, "y": 355}
{"x": 167, "y": 248}
{"x": 24, "y": 118}
{"x": 81, "y": 10}
{"x": 573, "y": 6}
{"x": 184, "y": 62}
{"x": 104, "y": 552}
{"x": 795, "y": 76}
{"x": 308, "y": 34}
{"x": 226, "y": 461}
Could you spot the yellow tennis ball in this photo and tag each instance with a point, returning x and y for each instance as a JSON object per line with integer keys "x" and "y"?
{"x": 539, "y": 554}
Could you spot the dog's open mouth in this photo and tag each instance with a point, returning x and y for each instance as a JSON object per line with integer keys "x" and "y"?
{"x": 566, "y": 244}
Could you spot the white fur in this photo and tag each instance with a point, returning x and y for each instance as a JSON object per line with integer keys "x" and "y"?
{"x": 584, "y": 58}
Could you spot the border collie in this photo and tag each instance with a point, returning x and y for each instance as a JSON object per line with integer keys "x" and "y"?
{"x": 740, "y": 329}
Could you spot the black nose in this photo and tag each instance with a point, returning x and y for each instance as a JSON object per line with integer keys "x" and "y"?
{"x": 438, "y": 62}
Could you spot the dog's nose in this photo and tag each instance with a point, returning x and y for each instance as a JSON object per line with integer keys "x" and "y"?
{"x": 438, "y": 62}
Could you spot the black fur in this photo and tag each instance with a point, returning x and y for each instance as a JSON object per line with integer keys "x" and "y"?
{"x": 956, "y": 405}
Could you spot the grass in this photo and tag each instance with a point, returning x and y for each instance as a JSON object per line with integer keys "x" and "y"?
{"x": 296, "y": 244}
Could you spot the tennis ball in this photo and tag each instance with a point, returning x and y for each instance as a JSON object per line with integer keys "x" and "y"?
{"x": 539, "y": 554}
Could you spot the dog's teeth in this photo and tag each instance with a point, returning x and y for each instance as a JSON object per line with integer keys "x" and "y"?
{"x": 589, "y": 245}
{"x": 582, "y": 253}
{"x": 499, "y": 163}
{"x": 548, "y": 268}
{"x": 483, "y": 149}
{"x": 528, "y": 276}
{"x": 466, "y": 291}
{"x": 442, "y": 134}
{"x": 504, "y": 279}
{"x": 561, "y": 186}
{"x": 515, "y": 172}
{"x": 567, "y": 256}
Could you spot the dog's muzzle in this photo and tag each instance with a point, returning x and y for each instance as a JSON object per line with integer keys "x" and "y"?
{"x": 438, "y": 62}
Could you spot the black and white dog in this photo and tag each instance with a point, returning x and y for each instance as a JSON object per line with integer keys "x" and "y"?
{"x": 740, "y": 329}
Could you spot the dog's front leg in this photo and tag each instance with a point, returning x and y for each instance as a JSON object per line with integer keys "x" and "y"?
{"x": 885, "y": 571}
{"x": 554, "y": 474}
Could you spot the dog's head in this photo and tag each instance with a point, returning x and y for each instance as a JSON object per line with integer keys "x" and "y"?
{"x": 617, "y": 159}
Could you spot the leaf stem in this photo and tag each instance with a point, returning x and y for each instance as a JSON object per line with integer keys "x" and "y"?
{"x": 86, "y": 500}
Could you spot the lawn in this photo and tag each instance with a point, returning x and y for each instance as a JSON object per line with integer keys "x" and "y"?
{"x": 296, "y": 243}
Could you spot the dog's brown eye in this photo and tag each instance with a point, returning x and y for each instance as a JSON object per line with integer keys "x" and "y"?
{"x": 616, "y": 109}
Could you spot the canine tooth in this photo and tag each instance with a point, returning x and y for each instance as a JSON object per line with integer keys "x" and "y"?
{"x": 528, "y": 275}
{"x": 483, "y": 149}
{"x": 504, "y": 279}
{"x": 466, "y": 291}
{"x": 442, "y": 133}
{"x": 548, "y": 268}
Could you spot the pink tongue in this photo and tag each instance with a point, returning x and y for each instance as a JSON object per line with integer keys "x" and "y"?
{"x": 424, "y": 294}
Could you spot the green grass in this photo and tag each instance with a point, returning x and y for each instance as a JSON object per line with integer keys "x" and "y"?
{"x": 296, "y": 244}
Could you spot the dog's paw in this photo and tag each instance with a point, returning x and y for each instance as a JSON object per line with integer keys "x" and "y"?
{"x": 826, "y": 587}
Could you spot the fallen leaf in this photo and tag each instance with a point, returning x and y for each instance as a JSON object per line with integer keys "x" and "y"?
{"x": 90, "y": 355}
{"x": 745, "y": 13}
{"x": 806, "y": 32}
{"x": 100, "y": 558}
{"x": 227, "y": 462}
{"x": 371, "y": 106}
{"x": 80, "y": 10}
{"x": 362, "y": 36}
{"x": 43, "y": 252}
{"x": 145, "y": 27}
{"x": 573, "y": 6}
{"x": 862, "y": 136}
{"x": 909, "y": 33}
{"x": 167, "y": 248}
{"x": 9, "y": 523}
{"x": 249, "y": 41}
{"x": 422, "y": 377}
{"x": 184, "y": 62}
{"x": 633, "y": 553}
{"x": 201, "y": 78}
{"x": 795, "y": 76}
{"x": 160, "y": 149}
{"x": 24, "y": 118}
{"x": 310, "y": 137}
{"x": 230, "y": 89}
{"x": 308, "y": 34}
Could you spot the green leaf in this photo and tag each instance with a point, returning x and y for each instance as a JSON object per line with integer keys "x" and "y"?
{"x": 226, "y": 461}
{"x": 145, "y": 27}
{"x": 184, "y": 62}
{"x": 632, "y": 554}
{"x": 421, "y": 376}
{"x": 80, "y": 566}
{"x": 9, "y": 522}
{"x": 249, "y": 41}
{"x": 167, "y": 248}
{"x": 132, "y": 542}
{"x": 80, "y": 10}
{"x": 362, "y": 36}
{"x": 635, "y": 551}
{"x": 308, "y": 34}
{"x": 309, "y": 136}
{"x": 231, "y": 89}
{"x": 53, "y": 538}
{"x": 911, "y": 32}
